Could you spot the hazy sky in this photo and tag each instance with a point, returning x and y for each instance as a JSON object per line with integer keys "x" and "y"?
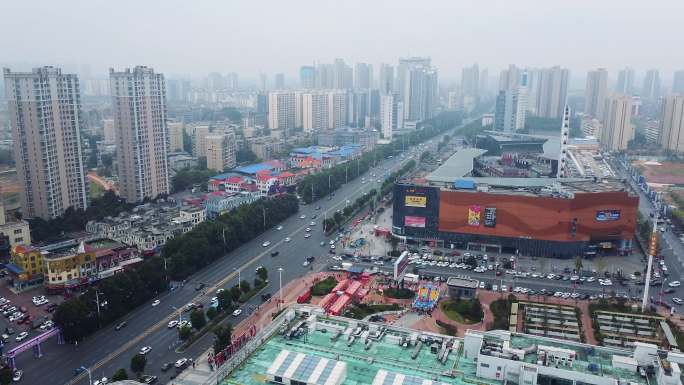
{"x": 196, "y": 37}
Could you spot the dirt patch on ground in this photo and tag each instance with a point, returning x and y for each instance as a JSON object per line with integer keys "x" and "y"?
{"x": 664, "y": 173}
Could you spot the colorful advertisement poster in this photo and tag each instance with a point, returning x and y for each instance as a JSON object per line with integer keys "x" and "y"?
{"x": 607, "y": 215}
{"x": 474, "y": 213}
{"x": 490, "y": 216}
{"x": 415, "y": 201}
{"x": 410, "y": 221}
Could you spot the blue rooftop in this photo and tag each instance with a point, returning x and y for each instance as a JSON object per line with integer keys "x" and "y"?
{"x": 225, "y": 175}
{"x": 254, "y": 168}
{"x": 14, "y": 269}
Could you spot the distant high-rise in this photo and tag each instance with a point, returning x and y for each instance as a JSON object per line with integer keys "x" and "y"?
{"x": 617, "y": 129}
{"x": 45, "y": 116}
{"x": 221, "y": 151}
{"x": 337, "y": 101}
{"x": 651, "y": 90}
{"x": 391, "y": 115}
{"x": 282, "y": 109}
{"x": 595, "y": 93}
{"x": 484, "y": 82}
{"x": 325, "y": 76}
{"x": 216, "y": 81}
{"x": 358, "y": 106}
{"x": 279, "y": 81}
{"x": 199, "y": 140}
{"x": 510, "y": 110}
{"x": 510, "y": 78}
{"x": 263, "y": 82}
{"x": 176, "y": 131}
{"x": 551, "y": 91}
{"x": 678, "y": 82}
{"x": 307, "y": 77}
{"x": 108, "y": 130}
{"x": 470, "y": 81}
{"x": 417, "y": 88}
{"x": 343, "y": 75}
{"x": 142, "y": 142}
{"x": 232, "y": 81}
{"x": 625, "y": 82}
{"x": 672, "y": 123}
{"x": 363, "y": 76}
{"x": 386, "y": 79}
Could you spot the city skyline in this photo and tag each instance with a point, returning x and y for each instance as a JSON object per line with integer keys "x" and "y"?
{"x": 482, "y": 33}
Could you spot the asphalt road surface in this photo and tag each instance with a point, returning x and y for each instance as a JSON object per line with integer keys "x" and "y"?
{"x": 107, "y": 350}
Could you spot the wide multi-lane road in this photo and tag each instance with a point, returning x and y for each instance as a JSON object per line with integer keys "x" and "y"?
{"x": 107, "y": 350}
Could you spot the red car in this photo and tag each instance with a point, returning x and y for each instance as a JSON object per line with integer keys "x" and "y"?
{"x": 455, "y": 253}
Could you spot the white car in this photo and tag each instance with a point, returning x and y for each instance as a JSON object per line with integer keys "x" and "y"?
{"x": 312, "y": 223}
{"x": 332, "y": 247}
{"x": 156, "y": 302}
{"x": 18, "y": 374}
{"x": 674, "y": 284}
{"x": 495, "y": 287}
{"x": 288, "y": 239}
{"x": 308, "y": 229}
{"x": 591, "y": 279}
{"x": 101, "y": 381}
{"x": 279, "y": 228}
{"x": 332, "y": 242}
{"x": 22, "y": 336}
{"x": 266, "y": 244}
{"x": 676, "y": 300}
{"x": 181, "y": 363}
{"x": 482, "y": 285}
{"x": 302, "y": 216}
{"x": 145, "y": 349}
{"x": 337, "y": 258}
{"x": 237, "y": 312}
{"x": 307, "y": 235}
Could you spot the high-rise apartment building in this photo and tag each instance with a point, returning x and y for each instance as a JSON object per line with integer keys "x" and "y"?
{"x": 595, "y": 93}
{"x": 386, "y": 79}
{"x": 221, "y": 151}
{"x": 551, "y": 90}
{"x": 343, "y": 75}
{"x": 363, "y": 76}
{"x": 651, "y": 89}
{"x": 672, "y": 123}
{"x": 678, "y": 82}
{"x": 417, "y": 88}
{"x": 325, "y": 76}
{"x": 142, "y": 143}
{"x": 315, "y": 111}
{"x": 470, "y": 81}
{"x": 307, "y": 77}
{"x": 484, "y": 82}
{"x": 282, "y": 110}
{"x": 263, "y": 82}
{"x": 176, "y": 130}
{"x": 358, "y": 106}
{"x": 510, "y": 110}
{"x": 510, "y": 78}
{"x": 617, "y": 129}
{"x": 337, "y": 101}
{"x": 108, "y": 130}
{"x": 45, "y": 115}
{"x": 391, "y": 115}
{"x": 199, "y": 140}
{"x": 232, "y": 81}
{"x": 279, "y": 81}
{"x": 625, "y": 82}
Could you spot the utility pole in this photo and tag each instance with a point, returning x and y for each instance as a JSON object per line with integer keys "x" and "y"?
{"x": 329, "y": 189}
{"x": 651, "y": 254}
{"x": 263, "y": 210}
{"x": 239, "y": 278}
{"x": 346, "y": 174}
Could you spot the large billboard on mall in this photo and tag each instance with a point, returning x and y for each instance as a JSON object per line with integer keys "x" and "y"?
{"x": 415, "y": 201}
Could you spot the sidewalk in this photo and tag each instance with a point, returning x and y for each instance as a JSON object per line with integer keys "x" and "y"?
{"x": 201, "y": 373}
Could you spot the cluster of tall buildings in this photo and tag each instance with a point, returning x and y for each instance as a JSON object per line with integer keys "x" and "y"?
{"x": 336, "y": 95}
{"x": 46, "y": 118}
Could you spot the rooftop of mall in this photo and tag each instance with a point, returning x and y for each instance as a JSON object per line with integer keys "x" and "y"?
{"x": 524, "y": 165}
{"x": 304, "y": 345}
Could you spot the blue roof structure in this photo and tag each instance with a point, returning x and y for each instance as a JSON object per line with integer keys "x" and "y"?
{"x": 254, "y": 168}
{"x": 14, "y": 269}
{"x": 225, "y": 175}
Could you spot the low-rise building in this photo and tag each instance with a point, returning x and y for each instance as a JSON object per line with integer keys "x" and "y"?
{"x": 17, "y": 231}
{"x": 181, "y": 160}
{"x": 221, "y": 202}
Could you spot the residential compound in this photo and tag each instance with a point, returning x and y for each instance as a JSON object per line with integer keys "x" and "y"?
{"x": 150, "y": 225}
{"x": 304, "y": 346}
{"x": 45, "y": 116}
{"x": 16, "y": 230}
{"x": 67, "y": 266}
{"x": 139, "y": 109}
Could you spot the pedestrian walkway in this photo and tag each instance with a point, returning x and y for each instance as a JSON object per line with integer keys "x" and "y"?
{"x": 202, "y": 371}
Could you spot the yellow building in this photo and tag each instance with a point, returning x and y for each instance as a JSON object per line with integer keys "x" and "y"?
{"x": 26, "y": 266}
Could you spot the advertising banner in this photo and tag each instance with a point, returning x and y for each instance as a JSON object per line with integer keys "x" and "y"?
{"x": 415, "y": 201}
{"x": 607, "y": 215}
{"x": 490, "y": 216}
{"x": 410, "y": 221}
{"x": 474, "y": 213}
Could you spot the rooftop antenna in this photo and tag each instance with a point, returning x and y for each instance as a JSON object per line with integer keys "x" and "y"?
{"x": 651, "y": 253}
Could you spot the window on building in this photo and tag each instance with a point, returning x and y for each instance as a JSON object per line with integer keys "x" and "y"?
{"x": 484, "y": 365}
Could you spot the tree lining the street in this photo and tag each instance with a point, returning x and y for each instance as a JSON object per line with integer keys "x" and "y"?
{"x": 186, "y": 254}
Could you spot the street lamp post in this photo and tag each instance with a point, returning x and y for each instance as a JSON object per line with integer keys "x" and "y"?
{"x": 263, "y": 210}
{"x": 239, "y": 277}
{"x": 280, "y": 292}
{"x": 180, "y": 313}
{"x": 90, "y": 377}
{"x": 329, "y": 189}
